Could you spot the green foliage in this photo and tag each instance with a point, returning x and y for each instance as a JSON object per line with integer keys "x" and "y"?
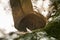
{"x": 53, "y": 28}
{"x": 56, "y": 4}
{"x": 41, "y": 35}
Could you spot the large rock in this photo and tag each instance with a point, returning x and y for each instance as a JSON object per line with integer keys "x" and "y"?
{"x": 25, "y": 17}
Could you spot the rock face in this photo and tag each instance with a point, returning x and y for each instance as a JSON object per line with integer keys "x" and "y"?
{"x": 32, "y": 22}
{"x": 18, "y": 9}
{"x": 25, "y": 17}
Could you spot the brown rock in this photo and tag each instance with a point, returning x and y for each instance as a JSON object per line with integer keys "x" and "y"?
{"x": 25, "y": 17}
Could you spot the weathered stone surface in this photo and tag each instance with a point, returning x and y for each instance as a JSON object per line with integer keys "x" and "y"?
{"x": 25, "y": 17}
{"x": 32, "y": 22}
{"x": 18, "y": 11}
